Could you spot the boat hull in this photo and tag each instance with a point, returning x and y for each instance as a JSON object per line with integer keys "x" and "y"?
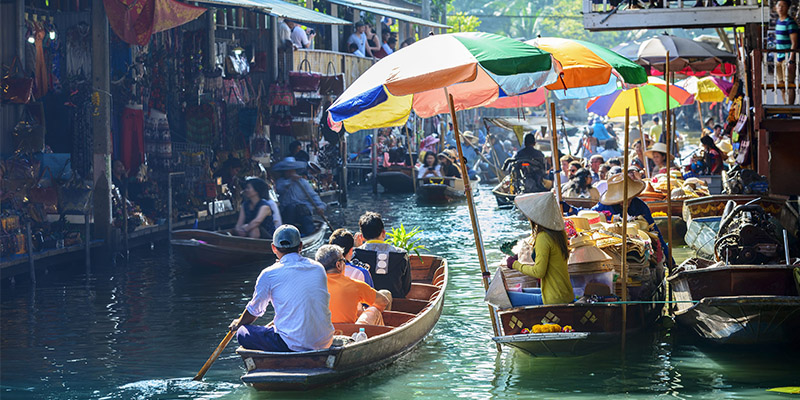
{"x": 410, "y": 320}
{"x": 440, "y": 193}
{"x": 397, "y": 180}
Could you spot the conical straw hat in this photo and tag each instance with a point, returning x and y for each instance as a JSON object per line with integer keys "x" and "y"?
{"x": 584, "y": 250}
{"x": 541, "y": 208}
{"x": 614, "y": 193}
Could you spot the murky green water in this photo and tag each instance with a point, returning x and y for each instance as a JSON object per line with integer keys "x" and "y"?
{"x": 141, "y": 330}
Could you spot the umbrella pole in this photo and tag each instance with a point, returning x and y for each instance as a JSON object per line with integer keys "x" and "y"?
{"x": 553, "y": 135}
{"x": 699, "y": 113}
{"x": 473, "y": 216}
{"x": 625, "y": 232}
{"x": 641, "y": 136}
{"x": 669, "y": 175}
{"x": 411, "y": 160}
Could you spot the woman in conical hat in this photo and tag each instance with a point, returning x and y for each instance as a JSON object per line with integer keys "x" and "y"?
{"x": 550, "y": 247}
{"x": 612, "y": 199}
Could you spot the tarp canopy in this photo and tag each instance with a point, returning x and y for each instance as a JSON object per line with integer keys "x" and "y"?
{"x": 297, "y": 13}
{"x": 251, "y": 4}
{"x": 360, "y": 5}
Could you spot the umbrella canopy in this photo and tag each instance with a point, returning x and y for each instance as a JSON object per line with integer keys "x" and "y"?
{"x": 683, "y": 53}
{"x": 708, "y": 89}
{"x": 588, "y": 69}
{"x": 652, "y": 99}
{"x": 475, "y": 67}
{"x": 530, "y": 99}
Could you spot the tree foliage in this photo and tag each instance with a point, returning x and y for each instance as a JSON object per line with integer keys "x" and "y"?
{"x": 462, "y": 22}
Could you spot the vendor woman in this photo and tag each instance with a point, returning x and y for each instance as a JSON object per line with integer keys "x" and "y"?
{"x": 611, "y": 201}
{"x": 259, "y": 215}
{"x": 550, "y": 247}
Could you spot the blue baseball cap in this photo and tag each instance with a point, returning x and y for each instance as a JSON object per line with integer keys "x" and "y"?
{"x": 286, "y": 237}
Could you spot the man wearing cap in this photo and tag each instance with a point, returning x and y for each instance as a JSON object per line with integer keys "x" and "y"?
{"x": 298, "y": 290}
{"x": 297, "y": 197}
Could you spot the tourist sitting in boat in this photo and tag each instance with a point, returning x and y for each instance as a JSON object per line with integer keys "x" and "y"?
{"x": 712, "y": 158}
{"x": 389, "y": 265}
{"x": 610, "y": 150}
{"x": 447, "y": 168}
{"x": 612, "y": 199}
{"x": 259, "y": 215}
{"x": 297, "y": 197}
{"x": 430, "y": 167}
{"x": 298, "y": 290}
{"x": 658, "y": 153}
{"x": 580, "y": 186}
{"x": 594, "y": 167}
{"x": 530, "y": 152}
{"x": 639, "y": 155}
{"x": 354, "y": 269}
{"x": 550, "y": 251}
{"x": 469, "y": 146}
{"x": 296, "y": 151}
{"x": 348, "y": 295}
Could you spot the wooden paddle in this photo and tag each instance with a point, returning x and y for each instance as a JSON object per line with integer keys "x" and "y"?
{"x": 224, "y": 343}
{"x": 311, "y": 199}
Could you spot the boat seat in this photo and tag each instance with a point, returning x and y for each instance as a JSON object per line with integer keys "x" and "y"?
{"x": 421, "y": 291}
{"x": 370, "y": 330}
{"x": 410, "y": 306}
{"x": 396, "y": 318}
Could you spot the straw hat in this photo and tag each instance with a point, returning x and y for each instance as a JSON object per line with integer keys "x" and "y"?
{"x": 445, "y": 155}
{"x": 581, "y": 223}
{"x": 657, "y": 148}
{"x": 542, "y": 209}
{"x": 469, "y": 137}
{"x": 584, "y": 250}
{"x": 594, "y": 218}
{"x": 614, "y": 193}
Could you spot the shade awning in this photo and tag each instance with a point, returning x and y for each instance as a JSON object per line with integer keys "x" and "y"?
{"x": 361, "y": 5}
{"x": 294, "y": 12}
{"x": 251, "y": 4}
{"x": 382, "y": 6}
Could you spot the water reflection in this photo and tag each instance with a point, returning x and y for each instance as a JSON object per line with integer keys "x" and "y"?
{"x": 141, "y": 329}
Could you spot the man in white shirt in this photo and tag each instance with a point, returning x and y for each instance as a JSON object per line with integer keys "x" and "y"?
{"x": 299, "y": 38}
{"x": 284, "y": 33}
{"x": 298, "y": 290}
{"x": 359, "y": 38}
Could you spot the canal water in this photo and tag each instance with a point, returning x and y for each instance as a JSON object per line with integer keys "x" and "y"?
{"x": 141, "y": 329}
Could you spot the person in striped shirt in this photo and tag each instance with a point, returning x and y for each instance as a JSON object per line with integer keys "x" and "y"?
{"x": 786, "y": 38}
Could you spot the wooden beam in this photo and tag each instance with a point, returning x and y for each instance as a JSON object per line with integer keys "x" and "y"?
{"x": 101, "y": 122}
{"x": 686, "y": 18}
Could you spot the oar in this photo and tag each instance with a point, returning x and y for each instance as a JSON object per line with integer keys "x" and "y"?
{"x": 224, "y": 343}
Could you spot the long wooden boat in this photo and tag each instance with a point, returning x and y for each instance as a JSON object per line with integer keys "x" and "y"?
{"x": 410, "y": 320}
{"x": 220, "y": 249}
{"x": 703, "y": 215}
{"x": 397, "y": 179}
{"x": 504, "y": 199}
{"x": 443, "y": 190}
{"x": 737, "y": 304}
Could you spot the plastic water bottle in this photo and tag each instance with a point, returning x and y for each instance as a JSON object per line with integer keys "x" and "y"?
{"x": 361, "y": 335}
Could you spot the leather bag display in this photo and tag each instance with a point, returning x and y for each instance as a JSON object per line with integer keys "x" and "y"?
{"x": 303, "y": 80}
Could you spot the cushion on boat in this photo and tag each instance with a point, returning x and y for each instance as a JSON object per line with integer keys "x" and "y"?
{"x": 389, "y": 270}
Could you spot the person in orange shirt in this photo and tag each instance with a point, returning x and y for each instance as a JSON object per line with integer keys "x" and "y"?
{"x": 348, "y": 295}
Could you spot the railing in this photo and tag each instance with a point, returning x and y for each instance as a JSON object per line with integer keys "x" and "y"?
{"x": 775, "y": 91}
{"x": 352, "y": 66}
{"x": 601, "y": 15}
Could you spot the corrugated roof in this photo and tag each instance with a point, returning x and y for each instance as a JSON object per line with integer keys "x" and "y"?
{"x": 294, "y": 12}
{"x": 237, "y": 3}
{"x": 382, "y": 6}
{"x": 359, "y": 5}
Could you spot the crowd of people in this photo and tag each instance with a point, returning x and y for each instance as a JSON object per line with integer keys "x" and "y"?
{"x": 351, "y": 280}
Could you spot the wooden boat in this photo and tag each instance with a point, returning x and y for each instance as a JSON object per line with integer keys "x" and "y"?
{"x": 443, "y": 190}
{"x": 597, "y": 325}
{"x": 330, "y": 196}
{"x": 703, "y": 215}
{"x": 397, "y": 179}
{"x": 220, "y": 249}
{"x": 504, "y": 199}
{"x": 410, "y": 320}
{"x": 737, "y": 304}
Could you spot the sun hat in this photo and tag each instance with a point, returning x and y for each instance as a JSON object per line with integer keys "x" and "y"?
{"x": 580, "y": 223}
{"x": 584, "y": 250}
{"x": 444, "y": 155}
{"x": 614, "y": 193}
{"x": 286, "y": 237}
{"x": 469, "y": 137}
{"x": 288, "y": 163}
{"x": 594, "y": 218}
{"x": 658, "y": 148}
{"x": 541, "y": 208}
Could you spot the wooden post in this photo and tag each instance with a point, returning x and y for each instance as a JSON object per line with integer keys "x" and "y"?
{"x": 473, "y": 216}
{"x": 101, "y": 123}
{"x": 29, "y": 244}
{"x": 625, "y": 232}
{"x": 335, "y": 28}
{"x": 554, "y": 139}
{"x": 211, "y": 35}
{"x": 669, "y": 174}
{"x": 410, "y": 159}
{"x": 641, "y": 136}
{"x": 273, "y": 33}
{"x": 426, "y": 15}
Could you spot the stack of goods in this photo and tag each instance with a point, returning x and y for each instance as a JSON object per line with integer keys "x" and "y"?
{"x": 640, "y": 255}
{"x": 589, "y": 266}
{"x": 681, "y": 189}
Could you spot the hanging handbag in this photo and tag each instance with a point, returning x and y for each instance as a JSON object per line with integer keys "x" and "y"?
{"x": 331, "y": 84}
{"x": 303, "y": 80}
{"x": 280, "y": 94}
{"x": 15, "y": 89}
{"x": 74, "y": 197}
{"x": 28, "y": 134}
{"x": 47, "y": 196}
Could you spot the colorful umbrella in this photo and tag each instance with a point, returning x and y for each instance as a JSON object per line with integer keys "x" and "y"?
{"x": 652, "y": 99}
{"x": 706, "y": 90}
{"x": 685, "y": 54}
{"x": 475, "y": 68}
{"x": 530, "y": 99}
{"x": 589, "y": 70}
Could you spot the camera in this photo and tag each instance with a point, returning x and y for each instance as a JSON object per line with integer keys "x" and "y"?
{"x": 311, "y": 31}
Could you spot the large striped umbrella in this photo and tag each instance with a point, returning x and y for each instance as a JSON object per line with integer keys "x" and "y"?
{"x": 708, "y": 89}
{"x": 475, "y": 68}
{"x": 589, "y": 70}
{"x": 651, "y": 99}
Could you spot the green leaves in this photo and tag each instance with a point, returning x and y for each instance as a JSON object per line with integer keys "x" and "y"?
{"x": 406, "y": 240}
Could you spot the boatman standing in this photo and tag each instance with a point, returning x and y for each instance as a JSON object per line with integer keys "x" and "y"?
{"x": 298, "y": 290}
